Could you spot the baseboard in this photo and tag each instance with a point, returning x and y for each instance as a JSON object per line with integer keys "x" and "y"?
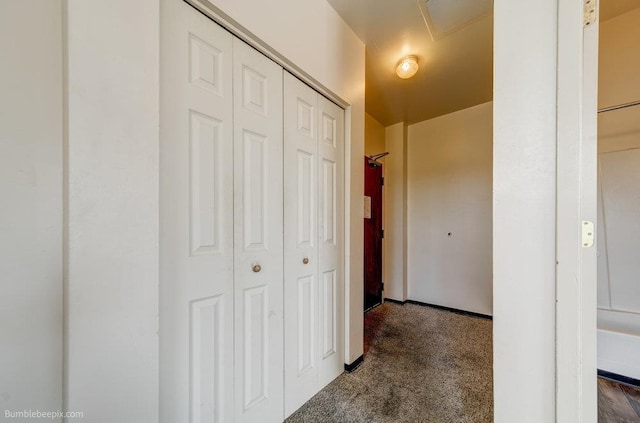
{"x": 452, "y": 310}
{"x": 619, "y": 378}
{"x": 351, "y": 367}
{"x": 391, "y": 300}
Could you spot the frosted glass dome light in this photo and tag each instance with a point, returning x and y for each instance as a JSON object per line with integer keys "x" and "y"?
{"x": 407, "y": 67}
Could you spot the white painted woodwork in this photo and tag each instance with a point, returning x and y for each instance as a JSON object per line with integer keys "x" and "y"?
{"x": 326, "y": 54}
{"x": 223, "y": 330}
{"x": 197, "y": 289}
{"x": 314, "y": 287}
{"x": 301, "y": 348}
{"x": 31, "y": 210}
{"x": 330, "y": 242}
{"x": 258, "y": 236}
{"x": 576, "y": 201}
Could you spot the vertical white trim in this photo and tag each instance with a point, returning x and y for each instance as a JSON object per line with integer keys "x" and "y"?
{"x": 347, "y": 235}
{"x": 576, "y": 394}
{"x": 524, "y": 209}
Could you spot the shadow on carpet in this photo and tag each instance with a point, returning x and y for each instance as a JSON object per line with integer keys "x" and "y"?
{"x": 422, "y": 365}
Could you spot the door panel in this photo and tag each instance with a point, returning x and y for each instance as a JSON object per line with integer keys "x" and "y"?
{"x": 258, "y": 260}
{"x": 373, "y": 237}
{"x": 314, "y": 287}
{"x": 301, "y": 247}
{"x": 331, "y": 247}
{"x": 196, "y": 219}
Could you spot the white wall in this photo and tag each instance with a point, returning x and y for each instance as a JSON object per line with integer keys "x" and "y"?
{"x": 395, "y": 218}
{"x": 31, "y": 212}
{"x": 524, "y": 210}
{"x": 313, "y": 37}
{"x": 449, "y": 191}
{"x": 113, "y": 142}
{"x": 619, "y": 197}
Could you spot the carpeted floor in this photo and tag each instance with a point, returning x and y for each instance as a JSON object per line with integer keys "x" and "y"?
{"x": 421, "y": 365}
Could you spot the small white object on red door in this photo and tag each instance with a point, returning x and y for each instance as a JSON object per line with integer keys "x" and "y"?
{"x": 367, "y": 207}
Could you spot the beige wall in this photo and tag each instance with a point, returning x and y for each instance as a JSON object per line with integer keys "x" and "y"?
{"x": 618, "y": 78}
{"x": 619, "y": 196}
{"x": 395, "y": 213}
{"x": 374, "y": 140}
{"x": 449, "y": 190}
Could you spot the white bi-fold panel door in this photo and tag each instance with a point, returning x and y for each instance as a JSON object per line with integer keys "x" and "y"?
{"x": 221, "y": 305}
{"x": 314, "y": 288}
{"x": 258, "y": 236}
{"x": 331, "y": 239}
{"x": 196, "y": 219}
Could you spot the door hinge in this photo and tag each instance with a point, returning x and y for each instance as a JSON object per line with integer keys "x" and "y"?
{"x": 381, "y": 233}
{"x": 590, "y": 12}
{"x": 382, "y": 181}
{"x": 381, "y": 286}
{"x": 588, "y": 233}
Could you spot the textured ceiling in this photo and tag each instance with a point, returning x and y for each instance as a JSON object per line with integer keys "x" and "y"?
{"x": 456, "y": 69}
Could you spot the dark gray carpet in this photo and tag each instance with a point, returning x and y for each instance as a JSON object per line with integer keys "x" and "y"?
{"x": 421, "y": 365}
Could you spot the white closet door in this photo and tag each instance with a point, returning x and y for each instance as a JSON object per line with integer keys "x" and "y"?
{"x": 258, "y": 236}
{"x": 301, "y": 246}
{"x": 314, "y": 242}
{"x": 331, "y": 239}
{"x": 196, "y": 219}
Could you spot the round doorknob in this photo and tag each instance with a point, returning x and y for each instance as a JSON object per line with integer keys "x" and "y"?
{"x": 305, "y": 260}
{"x": 256, "y": 268}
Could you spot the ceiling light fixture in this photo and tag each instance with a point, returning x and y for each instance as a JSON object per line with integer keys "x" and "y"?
{"x": 407, "y": 67}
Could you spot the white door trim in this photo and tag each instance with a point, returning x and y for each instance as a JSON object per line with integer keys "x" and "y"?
{"x": 576, "y": 310}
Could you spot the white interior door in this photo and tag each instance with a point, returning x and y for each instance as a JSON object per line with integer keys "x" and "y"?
{"x": 301, "y": 246}
{"x": 258, "y": 236}
{"x": 196, "y": 219}
{"x": 331, "y": 239}
{"x": 314, "y": 287}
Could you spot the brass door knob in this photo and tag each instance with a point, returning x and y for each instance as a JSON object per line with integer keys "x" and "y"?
{"x": 256, "y": 268}
{"x": 305, "y": 260}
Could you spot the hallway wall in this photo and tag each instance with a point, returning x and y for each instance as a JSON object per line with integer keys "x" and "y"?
{"x": 395, "y": 213}
{"x": 374, "y": 141}
{"x": 449, "y": 210}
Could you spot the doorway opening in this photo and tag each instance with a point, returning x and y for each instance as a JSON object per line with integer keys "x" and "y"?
{"x": 618, "y": 229}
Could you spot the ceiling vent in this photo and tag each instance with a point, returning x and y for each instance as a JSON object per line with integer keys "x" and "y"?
{"x": 444, "y": 17}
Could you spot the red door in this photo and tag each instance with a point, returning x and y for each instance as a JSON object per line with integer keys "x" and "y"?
{"x": 372, "y": 234}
